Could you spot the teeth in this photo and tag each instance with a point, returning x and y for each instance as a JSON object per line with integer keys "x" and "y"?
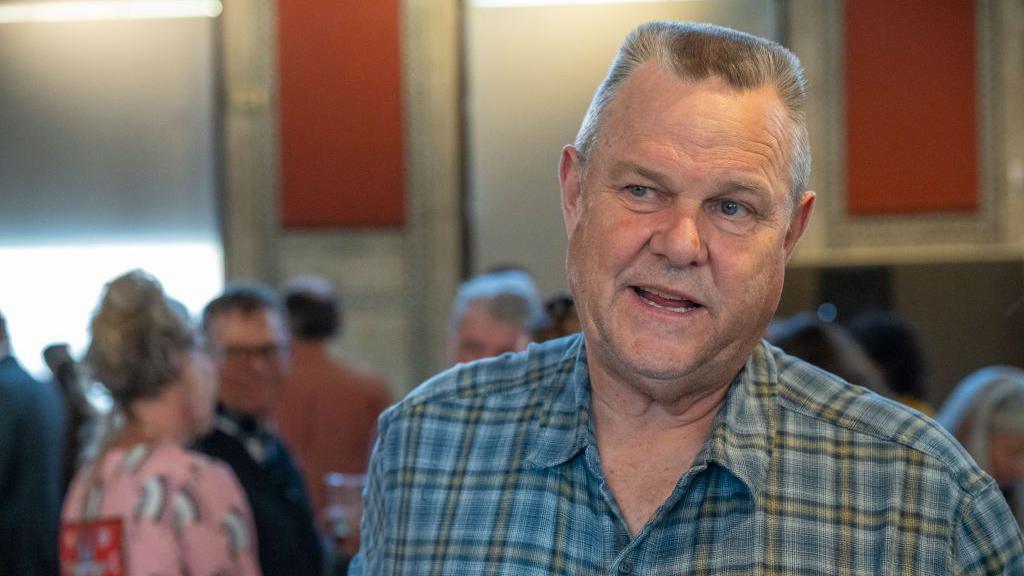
{"x": 679, "y": 309}
{"x": 662, "y": 294}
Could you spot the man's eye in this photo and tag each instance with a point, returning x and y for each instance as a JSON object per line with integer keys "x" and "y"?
{"x": 732, "y": 208}
{"x": 637, "y": 191}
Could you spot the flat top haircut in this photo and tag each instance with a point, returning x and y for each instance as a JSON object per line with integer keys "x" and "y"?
{"x": 245, "y": 297}
{"x": 696, "y": 52}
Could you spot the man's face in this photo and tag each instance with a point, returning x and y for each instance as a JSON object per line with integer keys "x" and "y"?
{"x": 480, "y": 335}
{"x": 1006, "y": 457}
{"x": 251, "y": 350}
{"x": 679, "y": 230}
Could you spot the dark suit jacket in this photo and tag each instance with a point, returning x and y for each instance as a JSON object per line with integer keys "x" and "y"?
{"x": 31, "y": 448}
{"x": 288, "y": 541}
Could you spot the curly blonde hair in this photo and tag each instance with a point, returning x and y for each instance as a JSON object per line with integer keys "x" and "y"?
{"x": 137, "y": 336}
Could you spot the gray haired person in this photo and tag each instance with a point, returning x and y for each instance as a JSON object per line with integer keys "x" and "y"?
{"x": 986, "y": 413}
{"x": 492, "y": 314}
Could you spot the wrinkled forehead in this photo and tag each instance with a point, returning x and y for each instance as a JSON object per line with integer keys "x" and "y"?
{"x": 651, "y": 94}
{"x": 654, "y": 106}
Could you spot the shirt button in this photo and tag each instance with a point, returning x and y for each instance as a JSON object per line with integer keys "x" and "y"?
{"x": 625, "y": 567}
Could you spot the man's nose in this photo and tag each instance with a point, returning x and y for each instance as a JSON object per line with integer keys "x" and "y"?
{"x": 679, "y": 236}
{"x": 258, "y": 361}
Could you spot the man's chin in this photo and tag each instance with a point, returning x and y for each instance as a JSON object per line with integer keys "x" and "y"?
{"x": 654, "y": 364}
{"x": 670, "y": 369}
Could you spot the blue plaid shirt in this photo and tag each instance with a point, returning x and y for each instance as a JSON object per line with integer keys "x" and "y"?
{"x": 492, "y": 468}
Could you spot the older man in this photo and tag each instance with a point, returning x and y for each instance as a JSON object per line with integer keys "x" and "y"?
{"x": 669, "y": 438}
{"x": 246, "y": 333}
{"x": 492, "y": 314}
{"x": 328, "y": 413}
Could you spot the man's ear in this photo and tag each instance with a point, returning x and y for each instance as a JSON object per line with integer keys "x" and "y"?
{"x": 570, "y": 176}
{"x": 798, "y": 222}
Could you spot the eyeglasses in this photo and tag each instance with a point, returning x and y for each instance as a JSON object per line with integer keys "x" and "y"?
{"x": 248, "y": 353}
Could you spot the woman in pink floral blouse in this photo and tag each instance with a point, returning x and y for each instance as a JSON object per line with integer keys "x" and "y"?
{"x": 147, "y": 505}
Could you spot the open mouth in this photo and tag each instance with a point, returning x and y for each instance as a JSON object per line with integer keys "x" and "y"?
{"x": 665, "y": 301}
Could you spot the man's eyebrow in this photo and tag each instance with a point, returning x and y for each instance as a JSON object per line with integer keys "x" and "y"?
{"x": 626, "y": 167}
{"x": 741, "y": 184}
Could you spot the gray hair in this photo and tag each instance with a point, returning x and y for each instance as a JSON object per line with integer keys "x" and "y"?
{"x": 695, "y": 52}
{"x": 137, "y": 336}
{"x": 990, "y": 399}
{"x": 508, "y": 296}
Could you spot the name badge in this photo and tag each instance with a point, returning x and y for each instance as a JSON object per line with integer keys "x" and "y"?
{"x": 93, "y": 548}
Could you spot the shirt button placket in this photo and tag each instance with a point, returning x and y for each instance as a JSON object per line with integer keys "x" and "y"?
{"x": 625, "y": 567}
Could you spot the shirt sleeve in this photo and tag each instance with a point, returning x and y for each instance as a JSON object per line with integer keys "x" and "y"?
{"x": 214, "y": 526}
{"x": 371, "y": 558}
{"x": 987, "y": 539}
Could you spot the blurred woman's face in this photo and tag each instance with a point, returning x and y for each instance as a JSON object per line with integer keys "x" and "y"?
{"x": 1006, "y": 457}
{"x": 200, "y": 379}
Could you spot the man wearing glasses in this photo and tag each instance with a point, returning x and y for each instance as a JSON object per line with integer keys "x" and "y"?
{"x": 247, "y": 338}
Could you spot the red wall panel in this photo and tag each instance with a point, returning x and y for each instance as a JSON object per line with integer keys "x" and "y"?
{"x": 910, "y": 107}
{"x": 340, "y": 113}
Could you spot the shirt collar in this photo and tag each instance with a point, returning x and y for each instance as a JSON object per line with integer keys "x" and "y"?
{"x": 236, "y": 423}
{"x": 740, "y": 439}
{"x": 563, "y": 428}
{"x": 740, "y": 436}
{"x": 254, "y": 437}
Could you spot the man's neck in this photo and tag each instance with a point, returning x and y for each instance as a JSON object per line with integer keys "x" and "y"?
{"x": 248, "y": 423}
{"x": 623, "y": 414}
{"x": 307, "y": 347}
{"x": 646, "y": 445}
{"x": 627, "y": 402}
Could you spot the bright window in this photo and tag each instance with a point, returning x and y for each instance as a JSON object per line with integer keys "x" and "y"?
{"x": 49, "y": 293}
{"x": 108, "y": 159}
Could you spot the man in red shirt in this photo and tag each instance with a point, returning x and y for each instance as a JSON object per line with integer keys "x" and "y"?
{"x": 328, "y": 411}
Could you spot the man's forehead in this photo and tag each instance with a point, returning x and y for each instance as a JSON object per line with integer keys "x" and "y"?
{"x": 479, "y": 317}
{"x": 652, "y": 88}
{"x": 656, "y": 106}
{"x": 241, "y": 326}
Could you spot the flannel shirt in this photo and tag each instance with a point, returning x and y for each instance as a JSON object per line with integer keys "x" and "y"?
{"x": 492, "y": 468}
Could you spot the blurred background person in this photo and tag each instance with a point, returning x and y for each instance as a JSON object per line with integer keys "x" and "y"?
{"x": 562, "y": 317}
{"x": 147, "y": 504}
{"x": 246, "y": 333}
{"x": 328, "y": 411}
{"x": 31, "y": 444}
{"x": 893, "y": 345}
{"x": 986, "y": 414}
{"x": 829, "y": 347}
{"x": 82, "y": 418}
{"x": 494, "y": 313}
